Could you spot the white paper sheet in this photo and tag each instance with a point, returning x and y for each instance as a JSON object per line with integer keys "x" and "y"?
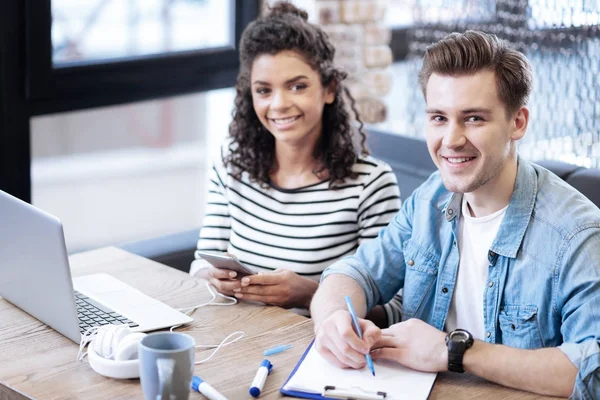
{"x": 396, "y": 380}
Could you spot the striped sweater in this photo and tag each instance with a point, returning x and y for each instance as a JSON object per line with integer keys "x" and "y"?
{"x": 303, "y": 230}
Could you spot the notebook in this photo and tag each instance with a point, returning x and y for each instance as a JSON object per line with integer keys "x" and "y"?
{"x": 315, "y": 378}
{"x": 35, "y": 276}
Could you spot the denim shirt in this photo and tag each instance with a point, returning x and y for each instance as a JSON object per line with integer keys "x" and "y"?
{"x": 543, "y": 287}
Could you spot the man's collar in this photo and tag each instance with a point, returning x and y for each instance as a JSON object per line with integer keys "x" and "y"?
{"x": 452, "y": 208}
{"x": 519, "y": 211}
{"x": 518, "y": 214}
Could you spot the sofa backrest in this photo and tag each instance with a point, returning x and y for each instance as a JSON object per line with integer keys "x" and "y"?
{"x": 586, "y": 180}
{"x": 408, "y": 157}
{"x": 412, "y": 164}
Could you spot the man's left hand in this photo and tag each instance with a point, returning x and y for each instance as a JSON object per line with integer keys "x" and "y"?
{"x": 415, "y": 344}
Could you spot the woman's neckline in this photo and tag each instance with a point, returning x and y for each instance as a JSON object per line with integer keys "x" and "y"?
{"x": 297, "y": 189}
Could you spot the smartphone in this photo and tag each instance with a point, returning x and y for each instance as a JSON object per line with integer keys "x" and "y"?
{"x": 225, "y": 261}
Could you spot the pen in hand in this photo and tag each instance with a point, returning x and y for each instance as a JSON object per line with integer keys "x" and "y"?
{"x": 358, "y": 331}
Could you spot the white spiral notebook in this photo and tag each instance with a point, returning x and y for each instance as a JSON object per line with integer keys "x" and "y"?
{"x": 315, "y": 378}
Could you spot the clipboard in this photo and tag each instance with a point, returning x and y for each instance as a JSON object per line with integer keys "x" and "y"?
{"x": 315, "y": 378}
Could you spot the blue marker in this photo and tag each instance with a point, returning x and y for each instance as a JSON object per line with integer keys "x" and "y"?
{"x": 208, "y": 391}
{"x": 277, "y": 349}
{"x": 260, "y": 378}
{"x": 358, "y": 331}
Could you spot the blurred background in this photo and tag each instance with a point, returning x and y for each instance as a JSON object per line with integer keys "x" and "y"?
{"x": 111, "y": 111}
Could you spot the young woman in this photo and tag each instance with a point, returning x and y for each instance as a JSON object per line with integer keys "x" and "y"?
{"x": 291, "y": 193}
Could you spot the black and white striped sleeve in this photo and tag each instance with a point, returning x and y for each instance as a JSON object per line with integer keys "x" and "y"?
{"x": 379, "y": 201}
{"x": 393, "y": 309}
{"x": 216, "y": 226}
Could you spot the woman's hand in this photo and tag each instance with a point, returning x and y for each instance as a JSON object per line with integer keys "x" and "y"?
{"x": 222, "y": 279}
{"x": 282, "y": 288}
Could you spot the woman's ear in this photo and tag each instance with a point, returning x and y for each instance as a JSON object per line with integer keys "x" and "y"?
{"x": 330, "y": 92}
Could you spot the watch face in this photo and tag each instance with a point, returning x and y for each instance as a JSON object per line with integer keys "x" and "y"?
{"x": 459, "y": 336}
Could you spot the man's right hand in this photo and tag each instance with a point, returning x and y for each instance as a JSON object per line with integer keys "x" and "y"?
{"x": 222, "y": 279}
{"x": 339, "y": 344}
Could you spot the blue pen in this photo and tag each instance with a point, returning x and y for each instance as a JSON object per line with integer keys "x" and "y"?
{"x": 260, "y": 378}
{"x": 358, "y": 331}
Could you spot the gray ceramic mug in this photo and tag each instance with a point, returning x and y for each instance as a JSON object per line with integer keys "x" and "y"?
{"x": 166, "y": 365}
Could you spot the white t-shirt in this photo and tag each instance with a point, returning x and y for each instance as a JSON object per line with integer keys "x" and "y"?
{"x": 475, "y": 236}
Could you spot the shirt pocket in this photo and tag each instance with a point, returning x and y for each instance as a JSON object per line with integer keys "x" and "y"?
{"x": 421, "y": 273}
{"x": 519, "y": 326}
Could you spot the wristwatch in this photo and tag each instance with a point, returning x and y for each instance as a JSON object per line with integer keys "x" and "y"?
{"x": 458, "y": 341}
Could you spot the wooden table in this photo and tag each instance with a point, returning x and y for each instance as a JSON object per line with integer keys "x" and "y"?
{"x": 38, "y": 363}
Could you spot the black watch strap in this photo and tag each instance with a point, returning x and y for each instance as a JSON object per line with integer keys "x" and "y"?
{"x": 455, "y": 361}
{"x": 458, "y": 341}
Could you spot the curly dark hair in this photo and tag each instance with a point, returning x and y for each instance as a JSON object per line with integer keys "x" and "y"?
{"x": 252, "y": 148}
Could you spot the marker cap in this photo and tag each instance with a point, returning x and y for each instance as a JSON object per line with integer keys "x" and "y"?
{"x": 277, "y": 349}
{"x": 267, "y": 364}
{"x": 196, "y": 382}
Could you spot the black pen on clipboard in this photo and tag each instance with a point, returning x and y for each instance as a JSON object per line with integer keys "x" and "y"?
{"x": 333, "y": 392}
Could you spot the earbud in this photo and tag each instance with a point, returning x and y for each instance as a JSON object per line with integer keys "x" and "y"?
{"x": 114, "y": 351}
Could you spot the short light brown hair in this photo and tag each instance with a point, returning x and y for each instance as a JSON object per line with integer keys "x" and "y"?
{"x": 470, "y": 52}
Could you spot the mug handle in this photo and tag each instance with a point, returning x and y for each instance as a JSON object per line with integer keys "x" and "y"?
{"x": 165, "y": 368}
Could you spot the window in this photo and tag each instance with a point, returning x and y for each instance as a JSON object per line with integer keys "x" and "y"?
{"x": 100, "y": 52}
{"x": 115, "y": 29}
{"x": 124, "y": 173}
{"x": 56, "y": 68}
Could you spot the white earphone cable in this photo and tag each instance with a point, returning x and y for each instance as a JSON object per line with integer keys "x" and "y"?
{"x": 211, "y": 302}
{"x": 224, "y": 342}
{"x": 86, "y": 338}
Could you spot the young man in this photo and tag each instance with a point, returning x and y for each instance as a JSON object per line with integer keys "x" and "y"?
{"x": 490, "y": 247}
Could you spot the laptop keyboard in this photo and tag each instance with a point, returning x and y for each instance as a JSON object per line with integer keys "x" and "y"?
{"x": 92, "y": 313}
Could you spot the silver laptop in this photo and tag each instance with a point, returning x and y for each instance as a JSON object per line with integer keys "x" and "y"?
{"x": 35, "y": 276}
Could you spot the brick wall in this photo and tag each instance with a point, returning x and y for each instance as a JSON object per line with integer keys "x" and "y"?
{"x": 357, "y": 29}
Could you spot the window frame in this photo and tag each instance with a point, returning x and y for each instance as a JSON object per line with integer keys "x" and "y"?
{"x": 75, "y": 86}
{"x": 31, "y": 86}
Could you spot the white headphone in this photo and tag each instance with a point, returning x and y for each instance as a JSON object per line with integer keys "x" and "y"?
{"x": 113, "y": 349}
{"x": 113, "y": 352}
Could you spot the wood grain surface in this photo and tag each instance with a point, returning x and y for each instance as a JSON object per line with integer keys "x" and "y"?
{"x": 38, "y": 363}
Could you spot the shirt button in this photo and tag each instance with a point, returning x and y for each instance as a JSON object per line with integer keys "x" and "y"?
{"x": 492, "y": 254}
{"x": 491, "y": 284}
{"x": 487, "y": 335}
{"x": 454, "y": 243}
{"x": 450, "y": 211}
{"x": 444, "y": 290}
{"x": 411, "y": 262}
